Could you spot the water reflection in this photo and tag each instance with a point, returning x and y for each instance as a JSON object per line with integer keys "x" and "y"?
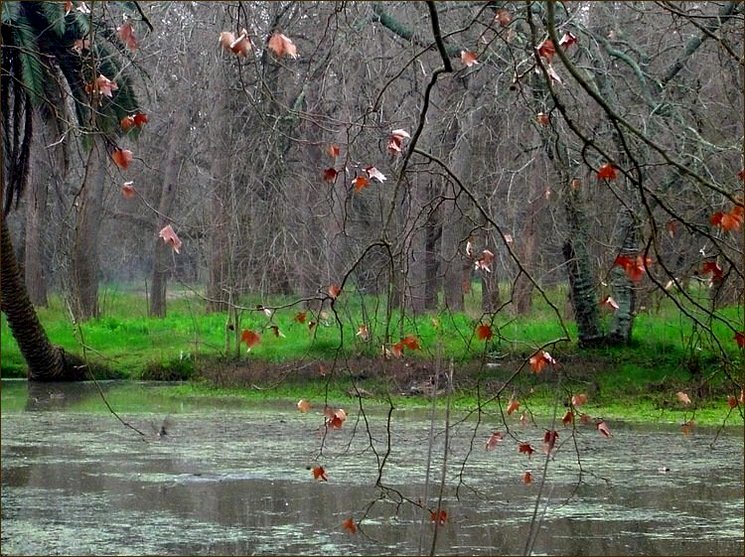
{"x": 236, "y": 481}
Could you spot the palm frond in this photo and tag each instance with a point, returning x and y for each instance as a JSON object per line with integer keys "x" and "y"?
{"x": 54, "y": 13}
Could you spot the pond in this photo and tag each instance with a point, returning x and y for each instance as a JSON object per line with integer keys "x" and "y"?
{"x": 232, "y": 477}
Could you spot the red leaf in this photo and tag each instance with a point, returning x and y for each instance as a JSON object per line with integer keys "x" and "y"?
{"x": 127, "y": 35}
{"x": 281, "y": 45}
{"x": 349, "y": 526}
{"x": 319, "y": 473}
{"x": 484, "y": 332}
{"x": 250, "y": 338}
{"x": 226, "y": 39}
{"x": 728, "y": 221}
{"x": 607, "y": 172}
{"x": 740, "y": 338}
{"x": 494, "y": 439}
{"x": 303, "y": 405}
{"x": 127, "y": 122}
{"x": 140, "y": 119}
{"x": 122, "y": 158}
{"x": 579, "y": 399}
{"x": 484, "y": 261}
{"x": 568, "y": 418}
{"x": 360, "y": 182}
{"x": 334, "y": 417}
{"x": 549, "y": 439}
{"x": 102, "y": 86}
{"x": 440, "y": 516}
{"x": 334, "y": 290}
{"x": 128, "y": 190}
{"x": 539, "y": 360}
{"x": 512, "y": 406}
{"x": 731, "y": 401}
{"x": 333, "y": 150}
{"x": 300, "y": 317}
{"x": 241, "y": 45}
{"x": 672, "y": 227}
{"x": 397, "y": 350}
{"x": 68, "y": 6}
{"x": 525, "y": 448}
{"x": 687, "y": 427}
{"x": 567, "y": 40}
{"x": 396, "y": 140}
{"x": 503, "y": 17}
{"x": 330, "y": 174}
{"x": 527, "y": 477}
{"x": 603, "y": 428}
{"x": 547, "y": 50}
{"x": 713, "y": 268}
{"x": 468, "y": 58}
{"x": 741, "y": 175}
{"x": 170, "y": 238}
{"x": 542, "y": 118}
{"x": 411, "y": 342}
{"x": 635, "y": 268}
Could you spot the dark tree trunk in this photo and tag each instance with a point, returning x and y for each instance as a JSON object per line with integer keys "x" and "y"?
{"x": 85, "y": 242}
{"x": 33, "y": 266}
{"x": 161, "y": 251}
{"x": 45, "y": 361}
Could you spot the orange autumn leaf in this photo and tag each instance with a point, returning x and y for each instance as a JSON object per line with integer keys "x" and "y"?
{"x": 68, "y": 6}
{"x": 334, "y": 417}
{"x": 512, "y": 405}
{"x": 687, "y": 427}
{"x": 140, "y": 119}
{"x": 527, "y": 477}
{"x": 397, "y": 350}
{"x": 539, "y": 360}
{"x": 396, "y": 140}
{"x": 360, "y": 183}
{"x": 127, "y": 123}
{"x": 549, "y": 439}
{"x": 731, "y": 401}
{"x": 468, "y": 57}
{"x": 484, "y": 262}
{"x": 584, "y": 419}
{"x": 127, "y": 35}
{"x": 438, "y": 516}
{"x": 319, "y": 473}
{"x": 122, "y": 158}
{"x": 603, "y": 428}
{"x": 411, "y": 342}
{"x": 484, "y": 332}
{"x": 607, "y": 172}
{"x": 547, "y": 50}
{"x": 282, "y": 45}
{"x": 102, "y": 86}
{"x": 303, "y": 405}
{"x": 683, "y": 397}
{"x": 525, "y": 448}
{"x": 568, "y": 418}
{"x": 349, "y": 526}
{"x": 330, "y": 174}
{"x": 170, "y": 238}
{"x": 634, "y": 268}
{"x": 300, "y": 317}
{"x": 334, "y": 290}
{"x": 579, "y": 399}
{"x": 503, "y": 17}
{"x": 128, "y": 190}
{"x": 241, "y": 45}
{"x": 542, "y": 118}
{"x": 728, "y": 221}
{"x": 250, "y": 338}
{"x": 494, "y": 439}
{"x": 333, "y": 150}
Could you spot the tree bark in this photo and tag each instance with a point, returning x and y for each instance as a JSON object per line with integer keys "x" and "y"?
{"x": 45, "y": 361}
{"x": 33, "y": 266}
{"x": 161, "y": 268}
{"x": 85, "y": 267}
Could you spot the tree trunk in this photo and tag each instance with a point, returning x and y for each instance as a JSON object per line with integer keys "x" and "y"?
{"x": 33, "y": 266}
{"x": 161, "y": 268}
{"x": 45, "y": 361}
{"x": 84, "y": 261}
{"x": 623, "y": 288}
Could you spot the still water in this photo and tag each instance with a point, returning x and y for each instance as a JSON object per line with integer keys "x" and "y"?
{"x": 232, "y": 477}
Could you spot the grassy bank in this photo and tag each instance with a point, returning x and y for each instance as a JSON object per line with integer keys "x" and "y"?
{"x": 669, "y": 354}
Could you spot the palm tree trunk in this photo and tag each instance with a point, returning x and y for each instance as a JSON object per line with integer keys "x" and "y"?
{"x": 45, "y": 361}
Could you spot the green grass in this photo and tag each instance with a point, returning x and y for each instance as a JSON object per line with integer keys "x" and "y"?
{"x": 669, "y": 352}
